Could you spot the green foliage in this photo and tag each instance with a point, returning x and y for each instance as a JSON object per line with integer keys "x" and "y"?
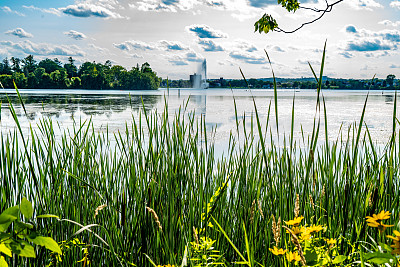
{"x": 265, "y": 24}
{"x": 204, "y": 254}
{"x": 18, "y": 236}
{"x": 289, "y": 5}
{"x": 49, "y": 73}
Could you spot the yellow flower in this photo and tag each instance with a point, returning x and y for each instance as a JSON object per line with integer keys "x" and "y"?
{"x": 331, "y": 241}
{"x": 277, "y": 251}
{"x": 296, "y": 230}
{"x": 383, "y": 215}
{"x": 293, "y": 256}
{"x": 376, "y": 220}
{"x": 305, "y": 235}
{"x": 381, "y": 227}
{"x": 295, "y": 222}
{"x": 396, "y": 242}
{"x": 314, "y": 229}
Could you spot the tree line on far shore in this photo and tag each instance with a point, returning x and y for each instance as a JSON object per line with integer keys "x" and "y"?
{"x": 51, "y": 73}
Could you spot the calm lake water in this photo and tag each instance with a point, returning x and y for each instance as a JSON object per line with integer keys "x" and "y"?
{"x": 113, "y": 109}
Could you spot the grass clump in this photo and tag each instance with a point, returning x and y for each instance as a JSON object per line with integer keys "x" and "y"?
{"x": 160, "y": 197}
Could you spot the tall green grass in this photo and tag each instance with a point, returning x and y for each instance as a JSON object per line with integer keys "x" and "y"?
{"x": 170, "y": 166}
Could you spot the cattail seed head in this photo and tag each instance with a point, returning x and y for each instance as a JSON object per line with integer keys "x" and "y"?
{"x": 276, "y": 229}
{"x": 155, "y": 217}
{"x": 252, "y": 209}
{"x": 196, "y": 237}
{"x": 311, "y": 202}
{"x": 297, "y": 206}
{"x": 259, "y": 209}
{"x": 99, "y": 208}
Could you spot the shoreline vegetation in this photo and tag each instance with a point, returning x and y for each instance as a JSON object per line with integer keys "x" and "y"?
{"x": 52, "y": 74}
{"x": 27, "y": 73}
{"x": 156, "y": 195}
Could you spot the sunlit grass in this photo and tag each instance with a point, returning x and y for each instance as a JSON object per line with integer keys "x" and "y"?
{"x": 153, "y": 187}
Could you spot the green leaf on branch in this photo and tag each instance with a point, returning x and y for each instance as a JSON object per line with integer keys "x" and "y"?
{"x": 47, "y": 242}
{"x": 290, "y": 5}
{"x": 26, "y": 208}
{"x": 265, "y": 24}
{"x": 7, "y": 217}
{"x": 23, "y": 249}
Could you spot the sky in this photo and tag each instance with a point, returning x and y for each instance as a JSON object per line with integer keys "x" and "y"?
{"x": 175, "y": 36}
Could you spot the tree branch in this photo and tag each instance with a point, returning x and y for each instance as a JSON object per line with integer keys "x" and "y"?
{"x": 324, "y": 11}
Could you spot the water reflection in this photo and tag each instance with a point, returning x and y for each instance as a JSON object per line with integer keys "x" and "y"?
{"x": 52, "y": 105}
{"x": 112, "y": 110}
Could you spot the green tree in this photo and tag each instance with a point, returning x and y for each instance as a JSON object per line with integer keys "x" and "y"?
{"x": 71, "y": 68}
{"x": 93, "y": 78}
{"x": 390, "y": 80}
{"x": 59, "y": 78}
{"x": 29, "y": 64}
{"x": 50, "y": 65}
{"x": 16, "y": 64}
{"x": 33, "y": 81}
{"x": 114, "y": 76}
{"x": 5, "y": 67}
{"x": 75, "y": 82}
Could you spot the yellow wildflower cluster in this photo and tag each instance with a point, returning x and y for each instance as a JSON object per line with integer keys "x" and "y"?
{"x": 396, "y": 242}
{"x": 277, "y": 251}
{"x": 299, "y": 235}
{"x": 376, "y": 220}
{"x": 295, "y": 222}
{"x": 293, "y": 256}
{"x": 304, "y": 233}
{"x": 290, "y": 256}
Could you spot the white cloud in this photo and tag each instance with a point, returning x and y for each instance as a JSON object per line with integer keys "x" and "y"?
{"x": 100, "y": 49}
{"x": 164, "y": 5}
{"x": 278, "y": 49}
{"x": 75, "y": 35}
{"x": 19, "y": 32}
{"x": 395, "y": 4}
{"x": 44, "y": 49}
{"x": 205, "y": 31}
{"x": 363, "y": 4}
{"x": 367, "y": 40}
{"x": 312, "y": 62}
{"x": 53, "y": 11}
{"x": 185, "y": 59}
{"x": 132, "y": 44}
{"x": 248, "y": 57}
{"x": 162, "y": 45}
{"x": 171, "y": 46}
{"x": 135, "y": 55}
{"x": 242, "y": 45}
{"x": 390, "y": 23}
{"x": 210, "y": 46}
{"x": 9, "y": 10}
{"x": 85, "y": 10}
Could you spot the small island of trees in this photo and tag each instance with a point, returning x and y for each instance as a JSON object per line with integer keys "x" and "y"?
{"x": 50, "y": 73}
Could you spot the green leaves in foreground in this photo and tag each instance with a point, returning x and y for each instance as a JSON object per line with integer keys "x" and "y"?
{"x": 265, "y": 24}
{"x": 20, "y": 240}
